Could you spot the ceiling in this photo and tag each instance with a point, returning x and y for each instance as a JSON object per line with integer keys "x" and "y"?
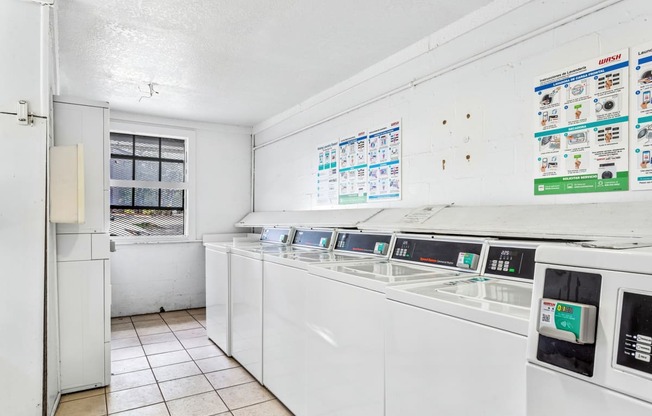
{"x": 235, "y": 62}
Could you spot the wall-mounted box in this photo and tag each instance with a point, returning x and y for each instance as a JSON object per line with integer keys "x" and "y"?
{"x": 67, "y": 184}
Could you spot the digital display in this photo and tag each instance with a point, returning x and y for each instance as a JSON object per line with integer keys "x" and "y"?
{"x": 511, "y": 261}
{"x": 360, "y": 243}
{"x": 564, "y": 308}
{"x": 437, "y": 252}
{"x": 312, "y": 238}
{"x": 276, "y": 235}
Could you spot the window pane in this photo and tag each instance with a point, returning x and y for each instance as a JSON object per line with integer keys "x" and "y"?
{"x": 173, "y": 149}
{"x": 147, "y": 146}
{"x": 171, "y": 198}
{"x": 122, "y": 144}
{"x": 146, "y": 222}
{"x": 122, "y": 169}
{"x": 146, "y": 170}
{"x": 121, "y": 196}
{"x": 171, "y": 172}
{"x": 146, "y": 197}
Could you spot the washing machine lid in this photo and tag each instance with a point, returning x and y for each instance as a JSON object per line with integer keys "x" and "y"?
{"x": 497, "y": 303}
{"x": 220, "y": 246}
{"x": 377, "y": 276}
{"x": 619, "y": 255}
{"x": 258, "y": 252}
{"x": 303, "y": 259}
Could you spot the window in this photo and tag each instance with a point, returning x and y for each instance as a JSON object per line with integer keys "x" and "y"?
{"x": 148, "y": 186}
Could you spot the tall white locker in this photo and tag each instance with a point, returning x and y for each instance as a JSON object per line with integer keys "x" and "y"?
{"x": 22, "y": 238}
{"x": 83, "y": 272}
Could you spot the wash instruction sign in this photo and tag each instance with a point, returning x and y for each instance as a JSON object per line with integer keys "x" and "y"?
{"x": 385, "y": 162}
{"x": 641, "y": 136}
{"x": 361, "y": 167}
{"x": 582, "y": 127}
{"x": 353, "y": 169}
{"x": 327, "y": 174}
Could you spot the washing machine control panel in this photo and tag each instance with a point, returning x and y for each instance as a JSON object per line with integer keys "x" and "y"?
{"x": 312, "y": 238}
{"x": 356, "y": 242}
{"x": 514, "y": 262}
{"x": 455, "y": 254}
{"x": 634, "y": 348}
{"x": 275, "y": 235}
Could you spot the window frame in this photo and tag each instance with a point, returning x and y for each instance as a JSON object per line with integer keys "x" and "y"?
{"x": 189, "y": 208}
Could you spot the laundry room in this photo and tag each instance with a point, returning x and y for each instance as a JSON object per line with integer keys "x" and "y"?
{"x": 296, "y": 208}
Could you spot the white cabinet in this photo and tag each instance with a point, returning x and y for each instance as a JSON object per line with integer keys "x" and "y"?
{"x": 87, "y": 123}
{"x": 83, "y": 273}
{"x": 82, "y": 305}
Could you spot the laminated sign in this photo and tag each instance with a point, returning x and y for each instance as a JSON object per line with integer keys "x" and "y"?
{"x": 641, "y": 136}
{"x": 581, "y": 127}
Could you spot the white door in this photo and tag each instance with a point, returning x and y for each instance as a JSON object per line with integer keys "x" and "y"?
{"x": 81, "y": 314}
{"x": 23, "y": 152}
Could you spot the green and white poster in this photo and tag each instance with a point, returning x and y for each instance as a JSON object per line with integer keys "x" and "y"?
{"x": 353, "y": 169}
{"x": 385, "y": 162}
{"x": 641, "y": 136}
{"x": 327, "y": 174}
{"x": 582, "y": 131}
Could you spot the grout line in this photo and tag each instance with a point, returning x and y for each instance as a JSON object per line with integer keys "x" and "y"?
{"x": 194, "y": 361}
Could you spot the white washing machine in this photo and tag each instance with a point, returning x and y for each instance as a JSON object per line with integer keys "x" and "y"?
{"x": 590, "y": 334}
{"x": 457, "y": 346}
{"x": 218, "y": 282}
{"x": 247, "y": 295}
{"x": 346, "y": 316}
{"x": 217, "y": 268}
{"x": 285, "y": 328}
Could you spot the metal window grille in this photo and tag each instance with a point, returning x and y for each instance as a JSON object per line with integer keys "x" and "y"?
{"x": 148, "y": 188}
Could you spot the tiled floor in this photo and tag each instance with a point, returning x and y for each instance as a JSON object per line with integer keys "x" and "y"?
{"x": 164, "y": 365}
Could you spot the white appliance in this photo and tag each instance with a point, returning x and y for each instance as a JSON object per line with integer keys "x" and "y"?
{"x": 83, "y": 269}
{"x": 346, "y": 313}
{"x": 457, "y": 346}
{"x": 246, "y": 272}
{"x": 590, "y": 333}
{"x": 218, "y": 284}
{"x": 285, "y": 304}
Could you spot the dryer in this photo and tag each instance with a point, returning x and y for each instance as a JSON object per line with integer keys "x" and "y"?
{"x": 346, "y": 314}
{"x": 285, "y": 328}
{"x": 590, "y": 333}
{"x": 246, "y": 270}
{"x": 218, "y": 282}
{"x": 457, "y": 346}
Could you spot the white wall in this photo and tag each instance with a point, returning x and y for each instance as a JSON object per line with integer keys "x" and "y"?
{"x": 485, "y": 66}
{"x": 146, "y": 277}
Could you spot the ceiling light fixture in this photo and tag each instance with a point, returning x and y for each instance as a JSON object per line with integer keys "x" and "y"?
{"x": 148, "y": 93}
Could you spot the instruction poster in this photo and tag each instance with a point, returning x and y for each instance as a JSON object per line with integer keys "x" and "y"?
{"x": 385, "y": 162}
{"x": 353, "y": 169}
{"x": 327, "y": 174}
{"x": 581, "y": 133}
{"x": 641, "y": 137}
